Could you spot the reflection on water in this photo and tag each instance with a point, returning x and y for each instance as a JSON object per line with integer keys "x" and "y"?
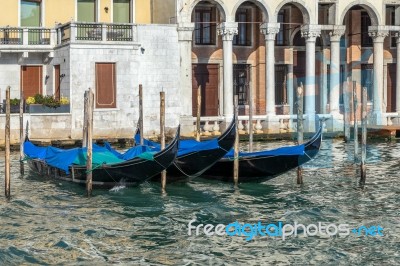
{"x": 50, "y": 221}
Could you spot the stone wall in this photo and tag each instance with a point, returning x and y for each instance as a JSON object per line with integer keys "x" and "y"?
{"x": 156, "y": 66}
{"x": 159, "y": 69}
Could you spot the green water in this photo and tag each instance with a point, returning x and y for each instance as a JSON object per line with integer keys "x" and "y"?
{"x": 51, "y": 222}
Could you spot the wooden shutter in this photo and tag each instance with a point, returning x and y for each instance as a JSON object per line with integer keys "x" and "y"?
{"x": 31, "y": 80}
{"x": 57, "y": 82}
{"x": 105, "y": 85}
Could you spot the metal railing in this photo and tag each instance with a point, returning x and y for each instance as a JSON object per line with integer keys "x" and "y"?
{"x": 96, "y": 32}
{"x": 25, "y": 36}
{"x": 38, "y": 36}
{"x": 13, "y": 36}
{"x": 67, "y": 33}
{"x": 117, "y": 32}
{"x": 88, "y": 32}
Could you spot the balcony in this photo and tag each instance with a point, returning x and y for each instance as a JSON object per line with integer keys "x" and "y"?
{"x": 37, "y": 39}
{"x": 104, "y": 33}
{"x": 26, "y": 39}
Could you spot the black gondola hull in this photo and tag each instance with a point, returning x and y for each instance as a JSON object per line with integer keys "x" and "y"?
{"x": 196, "y": 163}
{"x": 131, "y": 172}
{"x": 262, "y": 168}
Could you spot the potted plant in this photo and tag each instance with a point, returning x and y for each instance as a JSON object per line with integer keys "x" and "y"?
{"x": 47, "y": 104}
{"x": 14, "y": 106}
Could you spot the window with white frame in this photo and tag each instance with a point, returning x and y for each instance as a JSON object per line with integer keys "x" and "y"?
{"x": 122, "y": 11}
{"x": 87, "y": 10}
{"x": 31, "y": 13}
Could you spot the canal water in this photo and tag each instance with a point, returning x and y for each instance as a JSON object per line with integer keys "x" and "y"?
{"x": 51, "y": 222}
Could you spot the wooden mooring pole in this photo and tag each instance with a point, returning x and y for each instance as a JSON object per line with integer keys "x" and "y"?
{"x": 84, "y": 128}
{"x": 162, "y": 135}
{"x": 198, "y": 113}
{"x": 363, "y": 136}
{"x": 141, "y": 114}
{"x": 355, "y": 124}
{"x": 300, "y": 128}
{"x": 7, "y": 140}
{"x": 346, "y": 101}
{"x": 89, "y": 167}
{"x": 250, "y": 126}
{"x": 236, "y": 145}
{"x": 21, "y": 134}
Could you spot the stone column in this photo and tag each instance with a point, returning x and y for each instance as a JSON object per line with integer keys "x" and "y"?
{"x": 290, "y": 86}
{"x": 310, "y": 33}
{"x": 270, "y": 30}
{"x": 185, "y": 35}
{"x": 378, "y": 37}
{"x": 334, "y": 93}
{"x": 227, "y": 30}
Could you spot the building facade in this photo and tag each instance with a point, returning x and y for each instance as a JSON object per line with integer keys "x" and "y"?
{"x": 263, "y": 50}
{"x": 260, "y": 50}
{"x": 63, "y": 47}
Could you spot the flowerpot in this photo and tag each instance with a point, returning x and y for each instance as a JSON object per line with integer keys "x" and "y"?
{"x": 40, "y": 108}
{"x": 14, "y": 109}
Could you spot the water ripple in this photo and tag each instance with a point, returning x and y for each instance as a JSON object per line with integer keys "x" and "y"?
{"x": 52, "y": 222}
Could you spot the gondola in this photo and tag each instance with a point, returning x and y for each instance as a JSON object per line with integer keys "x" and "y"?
{"x": 265, "y": 165}
{"x": 108, "y": 169}
{"x": 194, "y": 157}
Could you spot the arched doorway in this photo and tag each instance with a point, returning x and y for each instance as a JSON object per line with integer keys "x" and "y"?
{"x": 206, "y": 47}
{"x": 248, "y": 71}
{"x": 358, "y": 52}
{"x": 290, "y": 59}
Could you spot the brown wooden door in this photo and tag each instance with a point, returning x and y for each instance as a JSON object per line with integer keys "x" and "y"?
{"x": 205, "y": 75}
{"x": 391, "y": 88}
{"x": 105, "y": 85}
{"x": 57, "y": 82}
{"x": 31, "y": 80}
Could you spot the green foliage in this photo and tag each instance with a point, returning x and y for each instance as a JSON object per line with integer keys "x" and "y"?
{"x": 39, "y": 99}
{"x": 14, "y": 101}
{"x": 47, "y": 100}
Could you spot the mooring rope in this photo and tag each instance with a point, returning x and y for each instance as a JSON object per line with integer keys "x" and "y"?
{"x": 91, "y": 170}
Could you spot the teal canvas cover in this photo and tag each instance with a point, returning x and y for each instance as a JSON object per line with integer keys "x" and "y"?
{"x": 185, "y": 146}
{"x": 141, "y": 151}
{"x": 63, "y": 158}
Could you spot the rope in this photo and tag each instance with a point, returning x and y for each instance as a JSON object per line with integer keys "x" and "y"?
{"x": 26, "y": 158}
{"x": 307, "y": 155}
{"x": 234, "y": 158}
{"x": 110, "y": 175}
{"x": 183, "y": 172}
{"x": 91, "y": 170}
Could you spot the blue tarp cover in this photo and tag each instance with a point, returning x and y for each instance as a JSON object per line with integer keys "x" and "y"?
{"x": 63, "y": 158}
{"x": 291, "y": 150}
{"x": 145, "y": 152}
{"x": 185, "y": 146}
